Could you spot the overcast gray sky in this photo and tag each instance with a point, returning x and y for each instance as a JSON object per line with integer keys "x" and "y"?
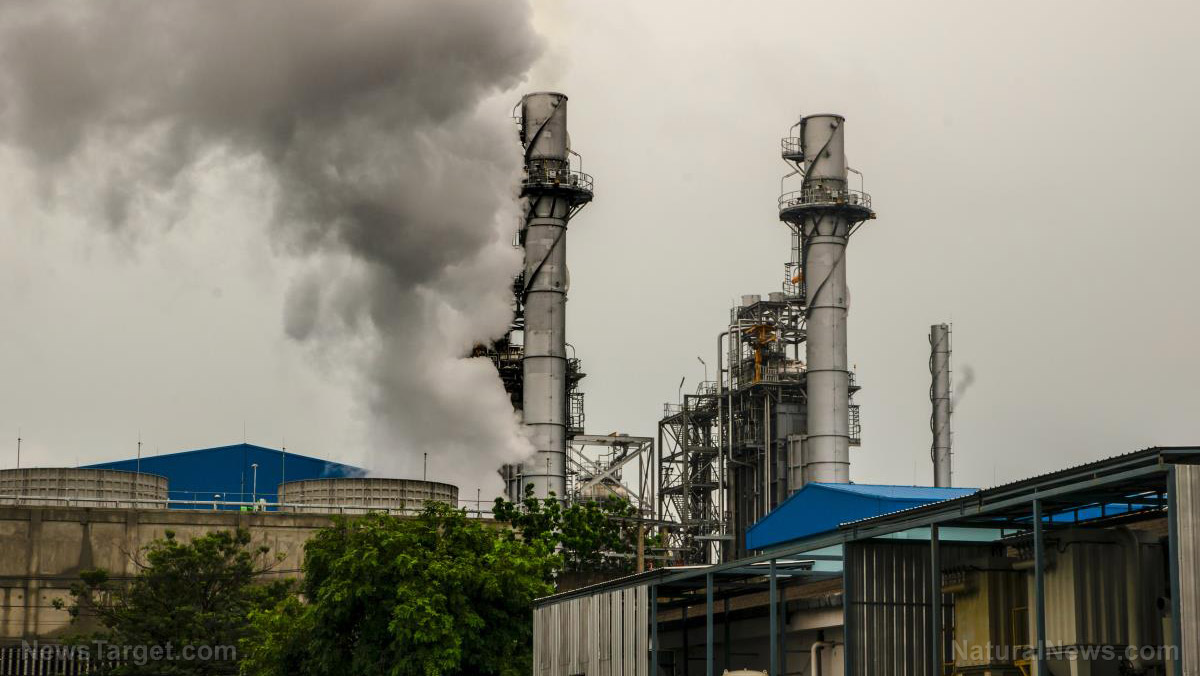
{"x": 1031, "y": 163}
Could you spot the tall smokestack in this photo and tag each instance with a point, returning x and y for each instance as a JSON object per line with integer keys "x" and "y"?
{"x": 554, "y": 193}
{"x": 939, "y": 396}
{"x": 824, "y": 213}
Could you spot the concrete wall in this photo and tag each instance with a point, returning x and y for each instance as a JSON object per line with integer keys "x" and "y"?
{"x": 43, "y": 549}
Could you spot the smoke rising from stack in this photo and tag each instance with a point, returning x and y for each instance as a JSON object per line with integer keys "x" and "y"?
{"x": 381, "y": 128}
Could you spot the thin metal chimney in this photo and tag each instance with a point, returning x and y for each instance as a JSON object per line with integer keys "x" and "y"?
{"x": 553, "y": 193}
{"x": 939, "y": 397}
{"x": 824, "y": 213}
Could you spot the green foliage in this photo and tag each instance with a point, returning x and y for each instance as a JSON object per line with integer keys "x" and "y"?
{"x": 185, "y": 594}
{"x": 596, "y": 535}
{"x": 438, "y": 595}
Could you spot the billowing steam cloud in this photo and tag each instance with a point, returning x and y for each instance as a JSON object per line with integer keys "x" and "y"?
{"x": 391, "y": 162}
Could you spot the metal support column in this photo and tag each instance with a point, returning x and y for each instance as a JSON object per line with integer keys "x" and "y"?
{"x": 1175, "y": 582}
{"x": 708, "y": 624}
{"x": 687, "y": 648}
{"x": 1039, "y": 587}
{"x": 935, "y": 602}
{"x": 725, "y": 625}
{"x": 774, "y": 621}
{"x": 847, "y": 614}
{"x": 653, "y": 630}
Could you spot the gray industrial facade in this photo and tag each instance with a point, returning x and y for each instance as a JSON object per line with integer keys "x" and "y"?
{"x": 1089, "y": 570}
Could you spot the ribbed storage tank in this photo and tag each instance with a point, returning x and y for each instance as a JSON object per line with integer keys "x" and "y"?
{"x": 323, "y": 496}
{"x": 82, "y": 487}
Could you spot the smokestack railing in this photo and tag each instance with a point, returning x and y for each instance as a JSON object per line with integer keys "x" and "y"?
{"x": 539, "y": 175}
{"x": 821, "y": 195}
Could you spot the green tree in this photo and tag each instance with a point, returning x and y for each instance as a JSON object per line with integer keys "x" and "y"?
{"x": 183, "y": 612}
{"x": 438, "y": 595}
{"x": 591, "y": 535}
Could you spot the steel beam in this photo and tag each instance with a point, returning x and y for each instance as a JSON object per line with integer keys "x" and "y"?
{"x": 1176, "y": 581}
{"x": 708, "y": 625}
{"x": 774, "y": 622}
{"x": 1039, "y": 587}
{"x": 935, "y": 602}
{"x": 653, "y": 630}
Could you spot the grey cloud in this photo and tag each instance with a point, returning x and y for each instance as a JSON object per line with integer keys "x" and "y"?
{"x": 366, "y": 115}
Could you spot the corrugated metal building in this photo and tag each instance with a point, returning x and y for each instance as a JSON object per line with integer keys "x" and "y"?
{"x": 228, "y": 473}
{"x": 1087, "y": 570}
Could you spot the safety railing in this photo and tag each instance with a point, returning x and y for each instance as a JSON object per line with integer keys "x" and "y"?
{"x": 556, "y": 177}
{"x": 791, "y": 146}
{"x": 824, "y": 195}
{"x": 472, "y": 507}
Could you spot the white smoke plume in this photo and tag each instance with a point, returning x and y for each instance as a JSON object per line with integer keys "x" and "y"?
{"x": 381, "y": 128}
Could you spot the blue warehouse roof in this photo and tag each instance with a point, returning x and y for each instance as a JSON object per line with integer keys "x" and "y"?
{"x": 818, "y": 508}
{"x": 227, "y": 471}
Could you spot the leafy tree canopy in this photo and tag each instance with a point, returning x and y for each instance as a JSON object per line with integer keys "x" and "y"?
{"x": 438, "y": 595}
{"x": 182, "y": 613}
{"x": 590, "y": 536}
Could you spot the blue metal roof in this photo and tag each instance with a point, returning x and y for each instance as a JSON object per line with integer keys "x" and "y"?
{"x": 819, "y": 508}
{"x": 227, "y": 471}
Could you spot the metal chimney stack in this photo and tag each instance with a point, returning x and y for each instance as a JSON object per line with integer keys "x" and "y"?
{"x": 554, "y": 193}
{"x": 824, "y": 213}
{"x": 939, "y": 397}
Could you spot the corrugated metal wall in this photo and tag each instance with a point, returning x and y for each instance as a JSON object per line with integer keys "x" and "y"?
{"x": 606, "y": 634}
{"x": 890, "y": 602}
{"x": 1187, "y": 502}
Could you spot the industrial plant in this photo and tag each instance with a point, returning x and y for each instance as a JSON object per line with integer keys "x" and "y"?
{"x": 772, "y": 561}
{"x": 767, "y": 557}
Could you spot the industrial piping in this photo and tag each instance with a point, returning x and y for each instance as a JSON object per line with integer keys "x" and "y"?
{"x": 553, "y": 193}
{"x": 939, "y": 397}
{"x": 825, "y": 212}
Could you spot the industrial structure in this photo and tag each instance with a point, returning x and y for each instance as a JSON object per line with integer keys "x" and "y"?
{"x": 67, "y": 520}
{"x": 777, "y": 417}
{"x": 553, "y": 192}
{"x": 237, "y": 473}
{"x": 778, "y": 564}
{"x": 940, "y": 398}
{"x": 1089, "y": 570}
{"x": 93, "y": 487}
{"x": 319, "y": 496}
{"x": 774, "y": 562}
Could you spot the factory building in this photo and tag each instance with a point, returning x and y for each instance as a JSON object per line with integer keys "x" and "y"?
{"x": 1088, "y": 570}
{"x": 239, "y": 473}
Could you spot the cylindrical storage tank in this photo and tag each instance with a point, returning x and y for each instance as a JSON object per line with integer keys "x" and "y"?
{"x": 82, "y": 487}
{"x": 354, "y": 495}
{"x": 544, "y": 126}
{"x": 824, "y": 141}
